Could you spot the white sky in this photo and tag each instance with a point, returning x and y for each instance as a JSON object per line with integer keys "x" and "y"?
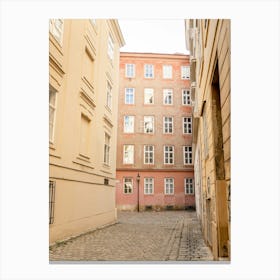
{"x": 156, "y": 36}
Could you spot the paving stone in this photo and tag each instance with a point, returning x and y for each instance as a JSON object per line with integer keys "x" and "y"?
{"x": 144, "y": 236}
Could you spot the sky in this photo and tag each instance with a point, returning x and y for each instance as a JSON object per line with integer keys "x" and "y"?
{"x": 156, "y": 36}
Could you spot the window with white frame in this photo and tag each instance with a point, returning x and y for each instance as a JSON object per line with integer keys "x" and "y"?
{"x": 148, "y": 124}
{"x": 169, "y": 185}
{"x": 56, "y": 28}
{"x": 167, "y": 124}
{"x": 109, "y": 96}
{"x": 187, "y": 125}
{"x": 148, "y": 96}
{"x": 148, "y": 154}
{"x": 128, "y": 124}
{"x": 127, "y": 185}
{"x": 168, "y": 154}
{"x": 167, "y": 96}
{"x": 187, "y": 150}
{"x": 110, "y": 50}
{"x": 130, "y": 70}
{"x": 167, "y": 71}
{"x": 93, "y": 21}
{"x": 186, "y": 97}
{"x": 148, "y": 185}
{"x": 128, "y": 154}
{"x": 185, "y": 72}
{"x": 148, "y": 70}
{"x": 189, "y": 186}
{"x": 52, "y": 111}
{"x": 107, "y": 149}
{"x": 129, "y": 96}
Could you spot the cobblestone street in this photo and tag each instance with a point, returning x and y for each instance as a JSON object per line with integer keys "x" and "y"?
{"x": 144, "y": 236}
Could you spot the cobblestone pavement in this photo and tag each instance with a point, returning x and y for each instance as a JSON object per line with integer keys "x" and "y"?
{"x": 144, "y": 236}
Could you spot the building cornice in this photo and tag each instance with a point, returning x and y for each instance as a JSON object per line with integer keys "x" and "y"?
{"x": 155, "y": 55}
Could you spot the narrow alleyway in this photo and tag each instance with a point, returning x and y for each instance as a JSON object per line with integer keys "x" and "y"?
{"x": 144, "y": 236}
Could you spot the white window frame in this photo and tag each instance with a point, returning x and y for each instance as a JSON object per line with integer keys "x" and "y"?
{"x": 168, "y": 186}
{"x": 93, "y": 21}
{"x": 185, "y": 72}
{"x": 187, "y": 153}
{"x": 152, "y": 121}
{"x": 124, "y": 183}
{"x": 110, "y": 48}
{"x": 168, "y": 154}
{"x": 148, "y": 91}
{"x": 166, "y": 124}
{"x": 187, "y": 125}
{"x": 129, "y": 92}
{"x": 107, "y": 149}
{"x": 52, "y": 106}
{"x": 129, "y": 70}
{"x": 167, "y": 92}
{"x": 186, "y": 97}
{"x": 126, "y": 153}
{"x": 56, "y": 27}
{"x": 148, "y": 71}
{"x": 189, "y": 186}
{"x": 128, "y": 124}
{"x": 149, "y": 186}
{"x": 167, "y": 71}
{"x": 149, "y": 152}
{"x": 109, "y": 98}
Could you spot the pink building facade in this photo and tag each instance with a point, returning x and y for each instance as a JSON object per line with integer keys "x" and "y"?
{"x": 154, "y": 142}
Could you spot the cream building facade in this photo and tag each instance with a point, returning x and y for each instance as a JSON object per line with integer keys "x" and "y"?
{"x": 208, "y": 41}
{"x": 83, "y": 102}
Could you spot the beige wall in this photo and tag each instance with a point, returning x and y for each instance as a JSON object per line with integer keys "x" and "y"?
{"x": 79, "y": 71}
{"x": 209, "y": 43}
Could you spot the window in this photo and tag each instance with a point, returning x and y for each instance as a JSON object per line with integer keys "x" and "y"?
{"x": 84, "y": 135}
{"x": 167, "y": 96}
{"x": 148, "y": 96}
{"x": 189, "y": 186}
{"x": 128, "y": 154}
{"x": 56, "y": 28}
{"x": 187, "y": 154}
{"x": 148, "y": 185}
{"x": 167, "y": 124}
{"x": 168, "y": 154}
{"x": 185, "y": 72}
{"x": 93, "y": 21}
{"x": 130, "y": 70}
{"x": 167, "y": 71}
{"x": 51, "y": 201}
{"x": 186, "y": 97}
{"x": 148, "y": 154}
{"x": 148, "y": 71}
{"x": 169, "y": 185}
{"x": 52, "y": 109}
{"x": 106, "y": 149}
{"x": 109, "y": 96}
{"x": 127, "y": 185}
{"x": 110, "y": 48}
{"x": 187, "y": 125}
{"x": 148, "y": 124}
{"x": 129, "y": 96}
{"x": 129, "y": 124}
